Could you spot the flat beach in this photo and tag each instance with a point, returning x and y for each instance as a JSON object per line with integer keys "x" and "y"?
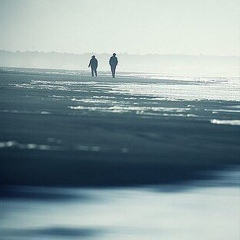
{"x": 67, "y": 130}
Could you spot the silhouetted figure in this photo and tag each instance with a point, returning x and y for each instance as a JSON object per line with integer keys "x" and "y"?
{"x": 94, "y": 64}
{"x": 113, "y": 61}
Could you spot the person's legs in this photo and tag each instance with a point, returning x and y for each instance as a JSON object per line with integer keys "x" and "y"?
{"x": 95, "y": 70}
{"x": 113, "y": 68}
{"x": 92, "y": 71}
{"x": 114, "y": 71}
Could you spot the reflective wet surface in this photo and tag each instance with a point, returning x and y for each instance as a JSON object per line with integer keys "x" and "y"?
{"x": 138, "y": 157}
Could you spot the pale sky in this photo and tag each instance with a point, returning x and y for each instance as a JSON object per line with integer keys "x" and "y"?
{"x": 208, "y": 27}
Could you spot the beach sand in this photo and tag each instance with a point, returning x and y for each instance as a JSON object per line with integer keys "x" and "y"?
{"x": 73, "y": 130}
{"x": 121, "y": 142}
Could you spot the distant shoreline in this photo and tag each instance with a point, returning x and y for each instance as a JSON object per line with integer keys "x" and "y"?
{"x": 129, "y": 54}
{"x": 170, "y": 63}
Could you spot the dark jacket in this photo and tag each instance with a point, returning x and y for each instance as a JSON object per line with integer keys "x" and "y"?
{"x": 113, "y": 61}
{"x": 93, "y": 63}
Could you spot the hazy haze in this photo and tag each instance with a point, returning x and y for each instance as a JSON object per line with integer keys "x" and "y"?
{"x": 208, "y": 27}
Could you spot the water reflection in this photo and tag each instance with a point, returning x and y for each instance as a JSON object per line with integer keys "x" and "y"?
{"x": 51, "y": 233}
{"x": 206, "y": 209}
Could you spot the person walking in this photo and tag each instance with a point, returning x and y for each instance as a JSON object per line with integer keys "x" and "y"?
{"x": 93, "y": 64}
{"x": 113, "y": 61}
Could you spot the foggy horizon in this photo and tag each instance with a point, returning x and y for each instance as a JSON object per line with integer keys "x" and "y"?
{"x": 145, "y": 63}
{"x": 120, "y": 53}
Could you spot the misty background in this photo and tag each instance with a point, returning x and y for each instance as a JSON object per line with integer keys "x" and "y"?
{"x": 156, "y": 36}
{"x": 207, "y": 27}
{"x": 147, "y": 63}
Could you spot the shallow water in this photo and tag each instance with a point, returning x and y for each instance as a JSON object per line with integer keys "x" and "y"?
{"x": 145, "y": 95}
{"x": 206, "y": 210}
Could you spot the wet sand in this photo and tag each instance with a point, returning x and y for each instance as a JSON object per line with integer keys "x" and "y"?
{"x": 73, "y": 130}
{"x": 129, "y": 158}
